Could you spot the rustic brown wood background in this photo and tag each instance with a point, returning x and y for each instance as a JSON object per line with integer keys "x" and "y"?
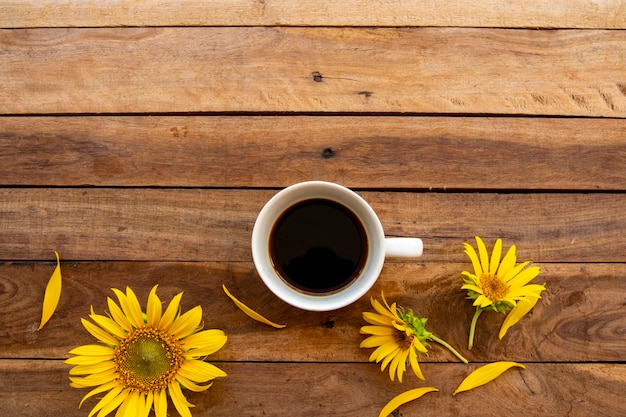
{"x": 140, "y": 140}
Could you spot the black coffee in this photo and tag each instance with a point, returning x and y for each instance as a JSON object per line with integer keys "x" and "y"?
{"x": 318, "y": 246}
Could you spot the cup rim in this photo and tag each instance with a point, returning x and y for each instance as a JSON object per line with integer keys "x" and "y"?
{"x": 293, "y": 194}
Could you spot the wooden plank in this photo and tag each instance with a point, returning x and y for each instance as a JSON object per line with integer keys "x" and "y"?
{"x": 579, "y": 318}
{"x": 373, "y": 152}
{"x": 419, "y": 70}
{"x": 483, "y": 13}
{"x": 216, "y": 225}
{"x": 577, "y": 390}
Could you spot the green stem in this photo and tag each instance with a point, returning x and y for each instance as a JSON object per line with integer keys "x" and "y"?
{"x": 470, "y": 343}
{"x": 450, "y": 348}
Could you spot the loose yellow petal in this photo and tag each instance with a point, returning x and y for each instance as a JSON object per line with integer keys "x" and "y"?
{"x": 522, "y": 307}
{"x": 404, "y": 398}
{"x": 485, "y": 374}
{"x": 52, "y": 295}
{"x": 251, "y": 313}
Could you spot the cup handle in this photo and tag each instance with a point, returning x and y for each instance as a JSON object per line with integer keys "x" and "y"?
{"x": 403, "y": 246}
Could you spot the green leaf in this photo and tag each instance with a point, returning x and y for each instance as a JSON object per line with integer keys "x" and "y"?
{"x": 485, "y": 374}
{"x": 404, "y": 398}
{"x": 52, "y": 295}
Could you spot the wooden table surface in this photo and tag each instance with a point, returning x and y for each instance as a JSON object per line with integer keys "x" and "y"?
{"x": 141, "y": 139}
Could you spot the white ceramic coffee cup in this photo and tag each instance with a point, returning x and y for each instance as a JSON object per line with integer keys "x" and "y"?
{"x": 378, "y": 245}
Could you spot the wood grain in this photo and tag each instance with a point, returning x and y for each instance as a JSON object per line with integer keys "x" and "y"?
{"x": 483, "y": 13}
{"x": 417, "y": 70}
{"x": 216, "y": 225}
{"x": 579, "y": 318}
{"x": 577, "y": 390}
{"x": 359, "y": 152}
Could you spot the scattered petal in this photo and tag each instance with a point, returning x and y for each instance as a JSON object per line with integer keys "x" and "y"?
{"x": 485, "y": 374}
{"x": 52, "y": 295}
{"x": 251, "y": 313}
{"x": 404, "y": 398}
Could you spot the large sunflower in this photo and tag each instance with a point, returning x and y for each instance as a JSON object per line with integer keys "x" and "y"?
{"x": 399, "y": 338}
{"x": 500, "y": 285}
{"x": 145, "y": 357}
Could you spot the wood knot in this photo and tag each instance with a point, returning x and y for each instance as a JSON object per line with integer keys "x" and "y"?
{"x": 328, "y": 153}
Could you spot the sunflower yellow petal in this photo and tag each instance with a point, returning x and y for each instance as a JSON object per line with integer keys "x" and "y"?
{"x": 98, "y": 390}
{"x": 404, "y": 398}
{"x": 118, "y": 315}
{"x": 180, "y": 402}
{"x": 204, "y": 343}
{"x": 508, "y": 262}
{"x": 160, "y": 403}
{"x": 109, "y": 398}
{"x": 415, "y": 364}
{"x": 191, "y": 385}
{"x": 154, "y": 308}
{"x": 377, "y": 319}
{"x": 113, "y": 404}
{"x": 496, "y": 252}
{"x": 398, "y": 364}
{"x": 531, "y": 290}
{"x": 378, "y": 330}
{"x": 514, "y": 271}
{"x": 382, "y": 310}
{"x": 383, "y": 351}
{"x": 130, "y": 306}
{"x": 187, "y": 323}
{"x": 393, "y": 365}
{"x": 419, "y": 346}
{"x": 524, "y": 277}
{"x": 109, "y": 325}
{"x": 170, "y": 312}
{"x": 389, "y": 358}
{"x": 52, "y": 294}
{"x": 129, "y": 406}
{"x": 484, "y": 256}
{"x": 92, "y": 350}
{"x": 95, "y": 368}
{"x": 485, "y": 374}
{"x": 375, "y": 341}
{"x": 251, "y": 313}
{"x": 199, "y": 371}
{"x": 148, "y": 404}
{"x": 88, "y": 360}
{"x": 520, "y": 310}
{"x": 93, "y": 379}
{"x": 99, "y": 334}
{"x": 471, "y": 253}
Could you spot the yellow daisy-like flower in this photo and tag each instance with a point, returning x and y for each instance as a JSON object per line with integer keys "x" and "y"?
{"x": 145, "y": 357}
{"x": 500, "y": 285}
{"x": 399, "y": 338}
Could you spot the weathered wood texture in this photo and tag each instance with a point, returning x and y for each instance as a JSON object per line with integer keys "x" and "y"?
{"x": 579, "y": 318}
{"x": 30, "y": 388}
{"x": 359, "y": 152}
{"x": 422, "y": 70}
{"x": 216, "y": 224}
{"x": 481, "y": 13}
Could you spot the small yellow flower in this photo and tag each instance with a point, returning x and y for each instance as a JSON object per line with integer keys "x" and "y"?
{"x": 143, "y": 358}
{"x": 399, "y": 338}
{"x": 499, "y": 284}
